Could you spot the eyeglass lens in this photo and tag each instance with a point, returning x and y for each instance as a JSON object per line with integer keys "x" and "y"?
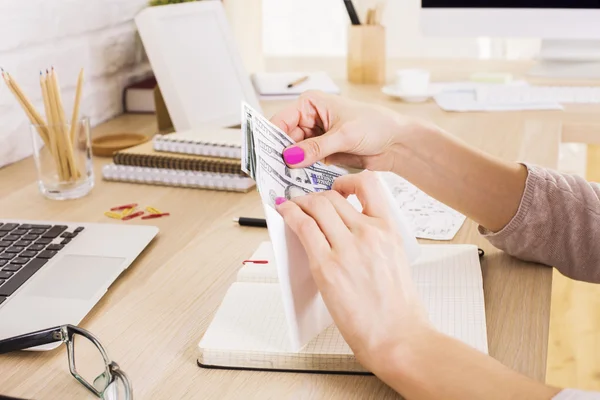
{"x": 89, "y": 363}
{"x": 117, "y": 390}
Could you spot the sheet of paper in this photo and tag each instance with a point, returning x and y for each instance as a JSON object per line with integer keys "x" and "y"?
{"x": 251, "y": 319}
{"x": 262, "y": 157}
{"x": 429, "y": 218}
{"x": 272, "y": 86}
{"x": 466, "y": 101}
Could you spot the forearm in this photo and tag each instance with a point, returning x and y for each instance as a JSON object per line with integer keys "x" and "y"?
{"x": 484, "y": 188}
{"x": 435, "y": 366}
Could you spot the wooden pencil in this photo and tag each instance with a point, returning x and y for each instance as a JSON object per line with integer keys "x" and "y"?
{"x": 54, "y": 122}
{"x": 53, "y": 130}
{"x": 65, "y": 142}
{"x": 75, "y": 117}
{"x": 25, "y": 103}
{"x": 51, "y": 133}
{"x": 370, "y": 16}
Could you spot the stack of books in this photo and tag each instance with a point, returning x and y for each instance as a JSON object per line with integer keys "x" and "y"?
{"x": 206, "y": 159}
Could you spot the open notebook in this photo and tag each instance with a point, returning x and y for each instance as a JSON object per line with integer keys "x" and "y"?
{"x": 249, "y": 330}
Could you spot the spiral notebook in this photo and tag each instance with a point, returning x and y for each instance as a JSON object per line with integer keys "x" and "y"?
{"x": 224, "y": 143}
{"x": 250, "y": 331}
{"x": 180, "y": 178}
{"x": 145, "y": 156}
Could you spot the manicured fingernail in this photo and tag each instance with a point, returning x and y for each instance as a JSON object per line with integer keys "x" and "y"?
{"x": 280, "y": 200}
{"x": 293, "y": 155}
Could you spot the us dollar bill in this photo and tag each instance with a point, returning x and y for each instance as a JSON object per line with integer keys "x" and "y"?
{"x": 262, "y": 159}
{"x": 319, "y": 174}
{"x": 248, "y": 160}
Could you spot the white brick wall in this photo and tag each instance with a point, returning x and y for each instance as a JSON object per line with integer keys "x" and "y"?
{"x": 98, "y": 35}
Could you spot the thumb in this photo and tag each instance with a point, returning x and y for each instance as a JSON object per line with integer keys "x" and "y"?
{"x": 366, "y": 186}
{"x": 309, "y": 151}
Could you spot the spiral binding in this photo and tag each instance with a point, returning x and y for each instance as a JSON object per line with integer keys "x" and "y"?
{"x": 179, "y": 178}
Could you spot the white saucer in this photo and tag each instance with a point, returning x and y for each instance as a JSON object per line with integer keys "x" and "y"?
{"x": 391, "y": 90}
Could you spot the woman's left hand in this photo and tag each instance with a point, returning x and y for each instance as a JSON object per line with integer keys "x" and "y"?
{"x": 358, "y": 263}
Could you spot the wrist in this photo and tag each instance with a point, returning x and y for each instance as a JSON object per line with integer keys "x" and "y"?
{"x": 391, "y": 358}
{"x": 412, "y": 143}
{"x": 404, "y": 364}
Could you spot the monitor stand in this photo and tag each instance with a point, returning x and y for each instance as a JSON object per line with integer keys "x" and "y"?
{"x": 568, "y": 59}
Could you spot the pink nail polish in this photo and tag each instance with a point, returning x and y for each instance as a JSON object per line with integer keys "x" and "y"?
{"x": 280, "y": 200}
{"x": 293, "y": 155}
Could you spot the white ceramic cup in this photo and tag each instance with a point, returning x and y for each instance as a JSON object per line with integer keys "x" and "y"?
{"x": 412, "y": 81}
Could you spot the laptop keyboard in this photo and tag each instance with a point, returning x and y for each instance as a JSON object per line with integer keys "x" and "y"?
{"x": 25, "y": 248}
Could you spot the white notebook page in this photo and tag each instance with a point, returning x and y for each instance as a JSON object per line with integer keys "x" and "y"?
{"x": 250, "y": 330}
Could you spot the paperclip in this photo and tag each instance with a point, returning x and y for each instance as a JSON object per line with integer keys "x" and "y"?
{"x": 255, "y": 262}
{"x": 131, "y": 216}
{"x": 113, "y": 215}
{"x": 127, "y": 211}
{"x": 151, "y": 216}
{"x": 153, "y": 210}
{"x": 126, "y": 206}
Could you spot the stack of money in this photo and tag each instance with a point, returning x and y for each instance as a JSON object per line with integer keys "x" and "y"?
{"x": 262, "y": 160}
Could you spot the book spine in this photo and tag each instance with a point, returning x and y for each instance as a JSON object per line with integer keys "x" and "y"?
{"x": 187, "y": 164}
{"x": 167, "y": 177}
{"x": 201, "y": 149}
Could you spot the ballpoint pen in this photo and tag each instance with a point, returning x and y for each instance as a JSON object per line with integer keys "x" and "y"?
{"x": 256, "y": 222}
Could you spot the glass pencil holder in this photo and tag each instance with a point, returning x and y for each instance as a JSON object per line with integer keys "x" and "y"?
{"x": 63, "y": 159}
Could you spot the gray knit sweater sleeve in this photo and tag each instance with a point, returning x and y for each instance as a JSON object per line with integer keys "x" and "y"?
{"x": 557, "y": 224}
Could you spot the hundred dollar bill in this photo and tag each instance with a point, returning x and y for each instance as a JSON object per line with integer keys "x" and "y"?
{"x": 319, "y": 175}
{"x": 304, "y": 177}
{"x": 262, "y": 159}
{"x": 272, "y": 185}
{"x": 248, "y": 160}
{"x": 279, "y": 137}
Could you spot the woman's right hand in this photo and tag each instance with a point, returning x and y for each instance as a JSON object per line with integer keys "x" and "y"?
{"x": 341, "y": 131}
{"x": 358, "y": 263}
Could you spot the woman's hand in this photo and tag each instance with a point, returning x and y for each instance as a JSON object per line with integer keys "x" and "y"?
{"x": 341, "y": 131}
{"x": 358, "y": 263}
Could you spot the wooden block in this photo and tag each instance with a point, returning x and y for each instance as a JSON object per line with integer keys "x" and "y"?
{"x": 366, "y": 54}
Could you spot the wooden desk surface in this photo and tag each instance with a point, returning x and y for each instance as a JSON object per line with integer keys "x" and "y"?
{"x": 153, "y": 317}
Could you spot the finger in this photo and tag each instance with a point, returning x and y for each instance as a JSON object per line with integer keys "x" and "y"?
{"x": 327, "y": 218}
{"x": 309, "y": 151}
{"x": 368, "y": 190}
{"x": 310, "y": 113}
{"x": 298, "y": 134}
{"x": 349, "y": 215}
{"x": 345, "y": 159}
{"x": 288, "y": 119}
{"x": 312, "y": 239}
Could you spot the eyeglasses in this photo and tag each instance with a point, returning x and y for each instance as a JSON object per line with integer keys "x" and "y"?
{"x": 94, "y": 370}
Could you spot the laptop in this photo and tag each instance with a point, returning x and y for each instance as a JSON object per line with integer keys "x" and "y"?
{"x": 53, "y": 273}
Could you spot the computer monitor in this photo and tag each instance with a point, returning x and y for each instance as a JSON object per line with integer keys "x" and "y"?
{"x": 570, "y": 29}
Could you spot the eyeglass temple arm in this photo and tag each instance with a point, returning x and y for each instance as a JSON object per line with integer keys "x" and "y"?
{"x": 32, "y": 339}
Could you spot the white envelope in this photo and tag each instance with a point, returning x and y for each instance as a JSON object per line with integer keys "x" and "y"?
{"x": 305, "y": 310}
